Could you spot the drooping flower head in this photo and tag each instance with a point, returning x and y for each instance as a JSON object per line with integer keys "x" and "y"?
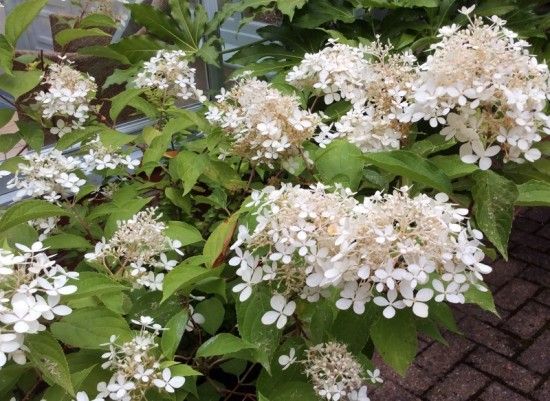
{"x": 262, "y": 124}
{"x": 136, "y": 366}
{"x": 335, "y": 373}
{"x": 489, "y": 91}
{"x": 67, "y": 97}
{"x": 168, "y": 74}
{"x": 140, "y": 248}
{"x": 380, "y": 120}
{"x": 50, "y": 175}
{"x": 338, "y": 71}
{"x": 386, "y": 249}
{"x": 31, "y": 286}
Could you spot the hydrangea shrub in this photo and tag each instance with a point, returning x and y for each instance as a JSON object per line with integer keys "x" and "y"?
{"x": 344, "y": 188}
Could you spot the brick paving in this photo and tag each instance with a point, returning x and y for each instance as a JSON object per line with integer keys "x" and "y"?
{"x": 496, "y": 359}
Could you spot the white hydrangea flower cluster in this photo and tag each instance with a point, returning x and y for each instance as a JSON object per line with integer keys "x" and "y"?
{"x": 263, "y": 124}
{"x": 393, "y": 249}
{"x": 50, "y": 175}
{"x": 31, "y": 286}
{"x": 381, "y": 120}
{"x": 136, "y": 366}
{"x": 67, "y": 97}
{"x": 44, "y": 226}
{"x": 335, "y": 373}
{"x": 169, "y": 73}
{"x": 482, "y": 82}
{"x": 101, "y": 157}
{"x": 339, "y": 71}
{"x": 139, "y": 249}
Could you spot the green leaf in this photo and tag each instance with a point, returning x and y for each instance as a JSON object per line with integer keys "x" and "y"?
{"x": 214, "y": 313}
{"x": 183, "y": 232}
{"x": 105, "y": 52}
{"x": 288, "y": 7}
{"x": 171, "y": 337}
{"x": 183, "y": 275}
{"x": 5, "y": 116}
{"x": 11, "y": 374}
{"x": 432, "y": 144}
{"x": 26, "y": 210}
{"x": 410, "y": 165}
{"x": 95, "y": 284}
{"x": 340, "y": 162}
{"x": 97, "y": 20}
{"x": 20, "y": 18}
{"x": 8, "y": 141}
{"x": 188, "y": 166}
{"x": 161, "y": 25}
{"x": 91, "y": 327}
{"x": 223, "y": 344}
{"x": 484, "y": 299}
{"x": 534, "y": 193}
{"x": 217, "y": 245}
{"x": 251, "y": 328}
{"x": 494, "y": 197}
{"x": 323, "y": 11}
{"x": 137, "y": 48}
{"x": 395, "y": 340}
{"x": 181, "y": 369}
{"x": 442, "y": 314}
{"x": 453, "y": 167}
{"x": 352, "y": 329}
{"x": 32, "y": 133}
{"x": 20, "y": 82}
{"x": 68, "y": 35}
{"x": 191, "y": 20}
{"x": 120, "y": 101}
{"x": 46, "y": 355}
{"x": 67, "y": 241}
{"x": 294, "y": 391}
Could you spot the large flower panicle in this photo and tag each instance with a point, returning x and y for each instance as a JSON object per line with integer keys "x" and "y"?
{"x": 482, "y": 83}
{"x": 140, "y": 249}
{"x": 50, "y": 175}
{"x": 31, "y": 286}
{"x": 136, "y": 366}
{"x": 67, "y": 97}
{"x": 380, "y": 121}
{"x": 338, "y": 71}
{"x": 335, "y": 373}
{"x": 169, "y": 74}
{"x": 103, "y": 157}
{"x": 393, "y": 249}
{"x": 263, "y": 124}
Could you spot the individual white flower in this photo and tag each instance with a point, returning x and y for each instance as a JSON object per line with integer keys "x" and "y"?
{"x": 359, "y": 395}
{"x": 450, "y": 293}
{"x": 83, "y": 396}
{"x": 168, "y": 382}
{"x": 250, "y": 277}
{"x": 416, "y": 300}
{"x": 354, "y": 295}
{"x": 390, "y": 303}
{"x": 60, "y": 129}
{"x": 374, "y": 376}
{"x": 286, "y": 360}
{"x": 474, "y": 153}
{"x": 282, "y": 310}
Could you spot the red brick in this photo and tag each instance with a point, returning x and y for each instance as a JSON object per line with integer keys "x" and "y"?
{"x": 483, "y": 315}
{"x": 524, "y": 224}
{"x": 543, "y": 393}
{"x": 538, "y": 214}
{"x": 417, "y": 380}
{"x": 392, "y": 392}
{"x": 439, "y": 358}
{"x": 503, "y": 271}
{"x": 536, "y": 275}
{"x": 491, "y": 337}
{"x": 530, "y": 240}
{"x": 528, "y": 320}
{"x": 514, "y": 294}
{"x": 544, "y": 231}
{"x": 537, "y": 356}
{"x": 509, "y": 372}
{"x": 498, "y": 392}
{"x": 459, "y": 385}
{"x": 531, "y": 256}
{"x": 544, "y": 297}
